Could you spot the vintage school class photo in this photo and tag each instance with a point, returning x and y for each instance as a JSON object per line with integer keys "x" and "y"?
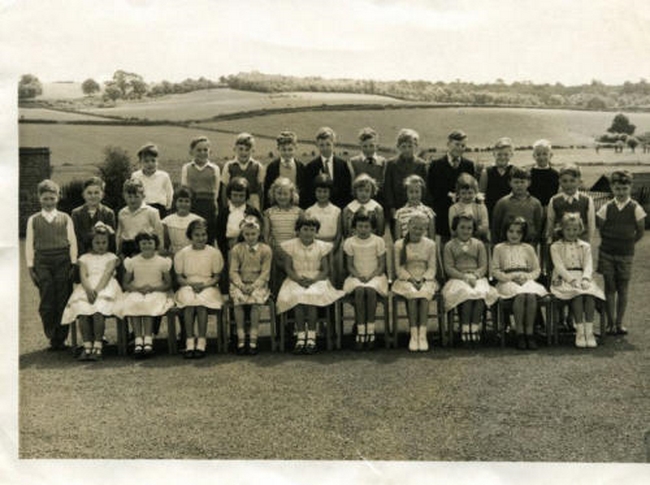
{"x": 290, "y": 262}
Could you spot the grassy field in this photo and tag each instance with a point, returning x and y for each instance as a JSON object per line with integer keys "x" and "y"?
{"x": 54, "y": 115}
{"x": 486, "y": 404}
{"x": 205, "y": 104}
{"x": 77, "y": 149}
{"x": 483, "y": 125}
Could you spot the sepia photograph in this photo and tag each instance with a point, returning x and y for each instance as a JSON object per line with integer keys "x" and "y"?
{"x": 371, "y": 241}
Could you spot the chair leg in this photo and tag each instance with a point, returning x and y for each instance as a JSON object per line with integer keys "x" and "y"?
{"x": 501, "y": 323}
{"x": 395, "y": 322}
{"x": 550, "y": 323}
{"x": 122, "y": 336}
{"x": 171, "y": 333}
{"x": 329, "y": 327}
{"x": 273, "y": 326}
{"x": 73, "y": 336}
{"x": 387, "y": 329}
{"x": 282, "y": 330}
{"x": 338, "y": 323}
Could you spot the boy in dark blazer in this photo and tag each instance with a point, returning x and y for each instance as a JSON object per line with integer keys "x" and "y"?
{"x": 92, "y": 212}
{"x": 441, "y": 180}
{"x": 285, "y": 166}
{"x": 335, "y": 167}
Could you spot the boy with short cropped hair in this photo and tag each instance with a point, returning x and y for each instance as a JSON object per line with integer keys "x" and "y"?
{"x": 134, "y": 218}
{"x": 398, "y": 169}
{"x": 442, "y": 176}
{"x": 335, "y": 167}
{"x": 519, "y": 203}
{"x": 51, "y": 252}
{"x": 369, "y": 162}
{"x": 244, "y": 165}
{"x": 621, "y": 222}
{"x": 285, "y": 166}
{"x": 158, "y": 189}
{"x": 544, "y": 179}
{"x": 495, "y": 180}
{"x": 93, "y": 211}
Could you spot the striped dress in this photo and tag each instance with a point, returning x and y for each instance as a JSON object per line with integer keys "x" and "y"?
{"x": 282, "y": 223}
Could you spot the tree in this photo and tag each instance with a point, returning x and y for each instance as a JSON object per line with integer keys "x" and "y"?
{"x": 111, "y": 91}
{"x": 632, "y": 142}
{"x": 115, "y": 170}
{"x": 29, "y": 87}
{"x": 621, "y": 124}
{"x": 90, "y": 87}
{"x": 131, "y": 85}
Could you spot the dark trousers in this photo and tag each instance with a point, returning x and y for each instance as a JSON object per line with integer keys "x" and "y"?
{"x": 206, "y": 209}
{"x": 54, "y": 286}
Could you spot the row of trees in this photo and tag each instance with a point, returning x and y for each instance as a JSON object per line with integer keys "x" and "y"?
{"x": 594, "y": 96}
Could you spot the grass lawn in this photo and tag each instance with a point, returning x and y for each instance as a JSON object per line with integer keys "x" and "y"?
{"x": 556, "y": 404}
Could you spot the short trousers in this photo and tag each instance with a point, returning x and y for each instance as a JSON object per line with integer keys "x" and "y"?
{"x": 620, "y": 267}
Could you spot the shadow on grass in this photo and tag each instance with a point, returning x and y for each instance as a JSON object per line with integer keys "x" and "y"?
{"x": 381, "y": 356}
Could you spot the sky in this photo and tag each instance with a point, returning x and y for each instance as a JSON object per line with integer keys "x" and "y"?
{"x": 571, "y": 42}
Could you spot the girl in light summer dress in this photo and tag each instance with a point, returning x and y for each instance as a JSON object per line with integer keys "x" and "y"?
{"x": 197, "y": 269}
{"x": 307, "y": 285}
{"x": 365, "y": 255}
{"x": 415, "y": 267}
{"x": 466, "y": 264}
{"x": 515, "y": 266}
{"x": 572, "y": 278}
{"x": 98, "y": 293}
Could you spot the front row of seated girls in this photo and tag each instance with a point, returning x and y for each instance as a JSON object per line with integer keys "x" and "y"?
{"x": 147, "y": 282}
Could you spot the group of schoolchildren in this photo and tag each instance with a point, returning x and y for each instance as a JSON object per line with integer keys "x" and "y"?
{"x": 308, "y": 234}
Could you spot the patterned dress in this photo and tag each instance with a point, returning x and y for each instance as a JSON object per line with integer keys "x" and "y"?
{"x": 510, "y": 260}
{"x": 467, "y": 257}
{"x": 572, "y": 260}
{"x": 250, "y": 265}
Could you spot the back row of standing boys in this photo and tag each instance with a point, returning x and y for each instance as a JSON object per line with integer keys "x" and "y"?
{"x": 320, "y": 222}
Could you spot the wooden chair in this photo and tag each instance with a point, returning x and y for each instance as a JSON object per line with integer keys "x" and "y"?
{"x": 331, "y": 320}
{"x": 438, "y": 314}
{"x": 384, "y": 301}
{"x": 175, "y": 312}
{"x": 122, "y": 334}
{"x": 228, "y": 322}
{"x": 558, "y": 309}
{"x": 504, "y": 308}
{"x": 487, "y": 324}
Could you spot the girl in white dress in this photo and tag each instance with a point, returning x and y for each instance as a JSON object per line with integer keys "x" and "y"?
{"x": 98, "y": 293}
{"x": 466, "y": 264}
{"x": 175, "y": 225}
{"x": 365, "y": 255}
{"x": 307, "y": 286}
{"x": 415, "y": 187}
{"x": 572, "y": 278}
{"x": 516, "y": 267}
{"x": 146, "y": 282}
{"x": 330, "y": 230}
{"x": 197, "y": 268}
{"x": 415, "y": 267}
{"x": 364, "y": 188}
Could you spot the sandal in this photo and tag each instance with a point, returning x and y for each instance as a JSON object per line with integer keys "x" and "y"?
{"x": 97, "y": 354}
{"x": 85, "y": 355}
{"x": 148, "y": 349}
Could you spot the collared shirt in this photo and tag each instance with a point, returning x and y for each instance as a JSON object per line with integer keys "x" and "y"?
{"x": 639, "y": 213}
{"x": 144, "y": 218}
{"x": 225, "y": 176}
{"x": 551, "y": 216}
{"x": 158, "y": 187}
{"x": 288, "y": 169}
{"x": 329, "y": 163}
{"x": 453, "y": 161}
{"x": 235, "y": 216}
{"x": 49, "y": 216}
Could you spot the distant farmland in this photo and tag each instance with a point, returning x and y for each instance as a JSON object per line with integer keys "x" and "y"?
{"x": 483, "y": 125}
{"x": 204, "y": 104}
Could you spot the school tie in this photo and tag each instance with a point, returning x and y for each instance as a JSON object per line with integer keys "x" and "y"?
{"x": 456, "y": 162}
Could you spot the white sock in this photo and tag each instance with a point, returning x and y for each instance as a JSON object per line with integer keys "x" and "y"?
{"x": 148, "y": 340}
{"x": 201, "y": 343}
{"x": 361, "y": 333}
{"x": 98, "y": 344}
{"x": 189, "y": 343}
{"x": 371, "y": 332}
{"x": 311, "y": 334}
{"x": 301, "y": 336}
{"x": 138, "y": 341}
